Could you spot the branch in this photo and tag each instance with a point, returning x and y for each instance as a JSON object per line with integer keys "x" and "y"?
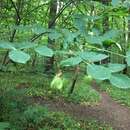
{"x": 16, "y": 9}
{"x": 58, "y": 15}
{"x": 36, "y": 8}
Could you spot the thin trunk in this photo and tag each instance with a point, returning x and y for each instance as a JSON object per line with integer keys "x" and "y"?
{"x": 77, "y": 69}
{"x": 105, "y": 24}
{"x": 17, "y": 7}
{"x": 52, "y": 14}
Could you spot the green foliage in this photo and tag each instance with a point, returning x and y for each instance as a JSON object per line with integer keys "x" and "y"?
{"x": 71, "y": 61}
{"x": 115, "y": 2}
{"x": 25, "y": 45}
{"x": 84, "y": 31}
{"x": 98, "y": 72}
{"x": 16, "y": 109}
{"x": 57, "y": 83}
{"x": 92, "y": 56}
{"x": 6, "y": 45}
{"x": 19, "y": 56}
{"x": 116, "y": 67}
{"x": 120, "y": 80}
{"x": 4, "y": 125}
{"x": 44, "y": 51}
{"x": 11, "y": 101}
{"x": 39, "y": 117}
{"x": 120, "y": 95}
{"x": 84, "y": 94}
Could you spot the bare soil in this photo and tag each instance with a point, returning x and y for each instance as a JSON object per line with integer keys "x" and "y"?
{"x": 108, "y": 110}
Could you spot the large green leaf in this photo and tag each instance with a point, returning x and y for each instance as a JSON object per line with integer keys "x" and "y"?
{"x": 98, "y": 39}
{"x": 115, "y": 2}
{"x": 110, "y": 34}
{"x": 37, "y": 29}
{"x": 44, "y": 51}
{"x": 98, "y": 72}
{"x": 116, "y": 67}
{"x": 92, "y": 56}
{"x": 6, "y": 45}
{"x": 120, "y": 81}
{"x": 68, "y": 37}
{"x": 80, "y": 24}
{"x": 94, "y": 40}
{"x": 25, "y": 45}
{"x": 128, "y": 57}
{"x": 54, "y": 35}
{"x": 19, "y": 56}
{"x": 71, "y": 61}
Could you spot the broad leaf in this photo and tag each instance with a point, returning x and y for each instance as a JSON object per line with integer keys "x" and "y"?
{"x": 94, "y": 40}
{"x": 115, "y": 2}
{"x": 116, "y": 67}
{"x": 120, "y": 81}
{"x": 6, "y": 45}
{"x": 54, "y": 35}
{"x": 25, "y": 45}
{"x": 37, "y": 29}
{"x": 92, "y": 56}
{"x": 44, "y": 51}
{"x": 80, "y": 24}
{"x": 110, "y": 34}
{"x": 71, "y": 61}
{"x": 98, "y": 72}
{"x": 68, "y": 37}
{"x": 19, "y": 56}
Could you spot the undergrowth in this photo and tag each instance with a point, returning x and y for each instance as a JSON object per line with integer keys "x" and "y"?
{"x": 120, "y": 95}
{"x": 16, "y": 114}
{"x": 39, "y": 85}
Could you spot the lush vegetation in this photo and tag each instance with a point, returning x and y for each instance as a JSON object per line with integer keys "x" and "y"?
{"x": 19, "y": 111}
{"x": 53, "y": 49}
{"x": 121, "y": 96}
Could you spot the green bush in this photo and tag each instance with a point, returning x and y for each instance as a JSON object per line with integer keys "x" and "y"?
{"x": 12, "y": 101}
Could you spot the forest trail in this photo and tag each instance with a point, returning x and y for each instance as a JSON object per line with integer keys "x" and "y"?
{"x": 108, "y": 110}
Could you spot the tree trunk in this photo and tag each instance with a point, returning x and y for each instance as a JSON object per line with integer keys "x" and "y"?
{"x": 77, "y": 69}
{"x": 51, "y": 25}
{"x": 105, "y": 24}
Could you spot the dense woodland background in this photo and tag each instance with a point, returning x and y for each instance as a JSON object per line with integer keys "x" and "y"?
{"x": 59, "y": 37}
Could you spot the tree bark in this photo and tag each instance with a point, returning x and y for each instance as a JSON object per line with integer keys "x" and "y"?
{"x": 105, "y": 24}
{"x": 77, "y": 69}
{"x": 49, "y": 62}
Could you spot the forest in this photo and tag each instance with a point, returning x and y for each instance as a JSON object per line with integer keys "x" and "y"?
{"x": 64, "y": 64}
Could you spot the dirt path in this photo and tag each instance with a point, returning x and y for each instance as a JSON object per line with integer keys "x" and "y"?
{"x": 107, "y": 111}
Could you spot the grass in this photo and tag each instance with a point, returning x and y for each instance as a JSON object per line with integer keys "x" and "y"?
{"x": 120, "y": 95}
{"x": 83, "y": 93}
{"x": 21, "y": 115}
{"x": 39, "y": 85}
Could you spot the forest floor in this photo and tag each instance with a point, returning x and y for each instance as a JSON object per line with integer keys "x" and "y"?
{"x": 108, "y": 110}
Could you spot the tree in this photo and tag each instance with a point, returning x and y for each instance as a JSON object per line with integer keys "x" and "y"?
{"x": 51, "y": 25}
